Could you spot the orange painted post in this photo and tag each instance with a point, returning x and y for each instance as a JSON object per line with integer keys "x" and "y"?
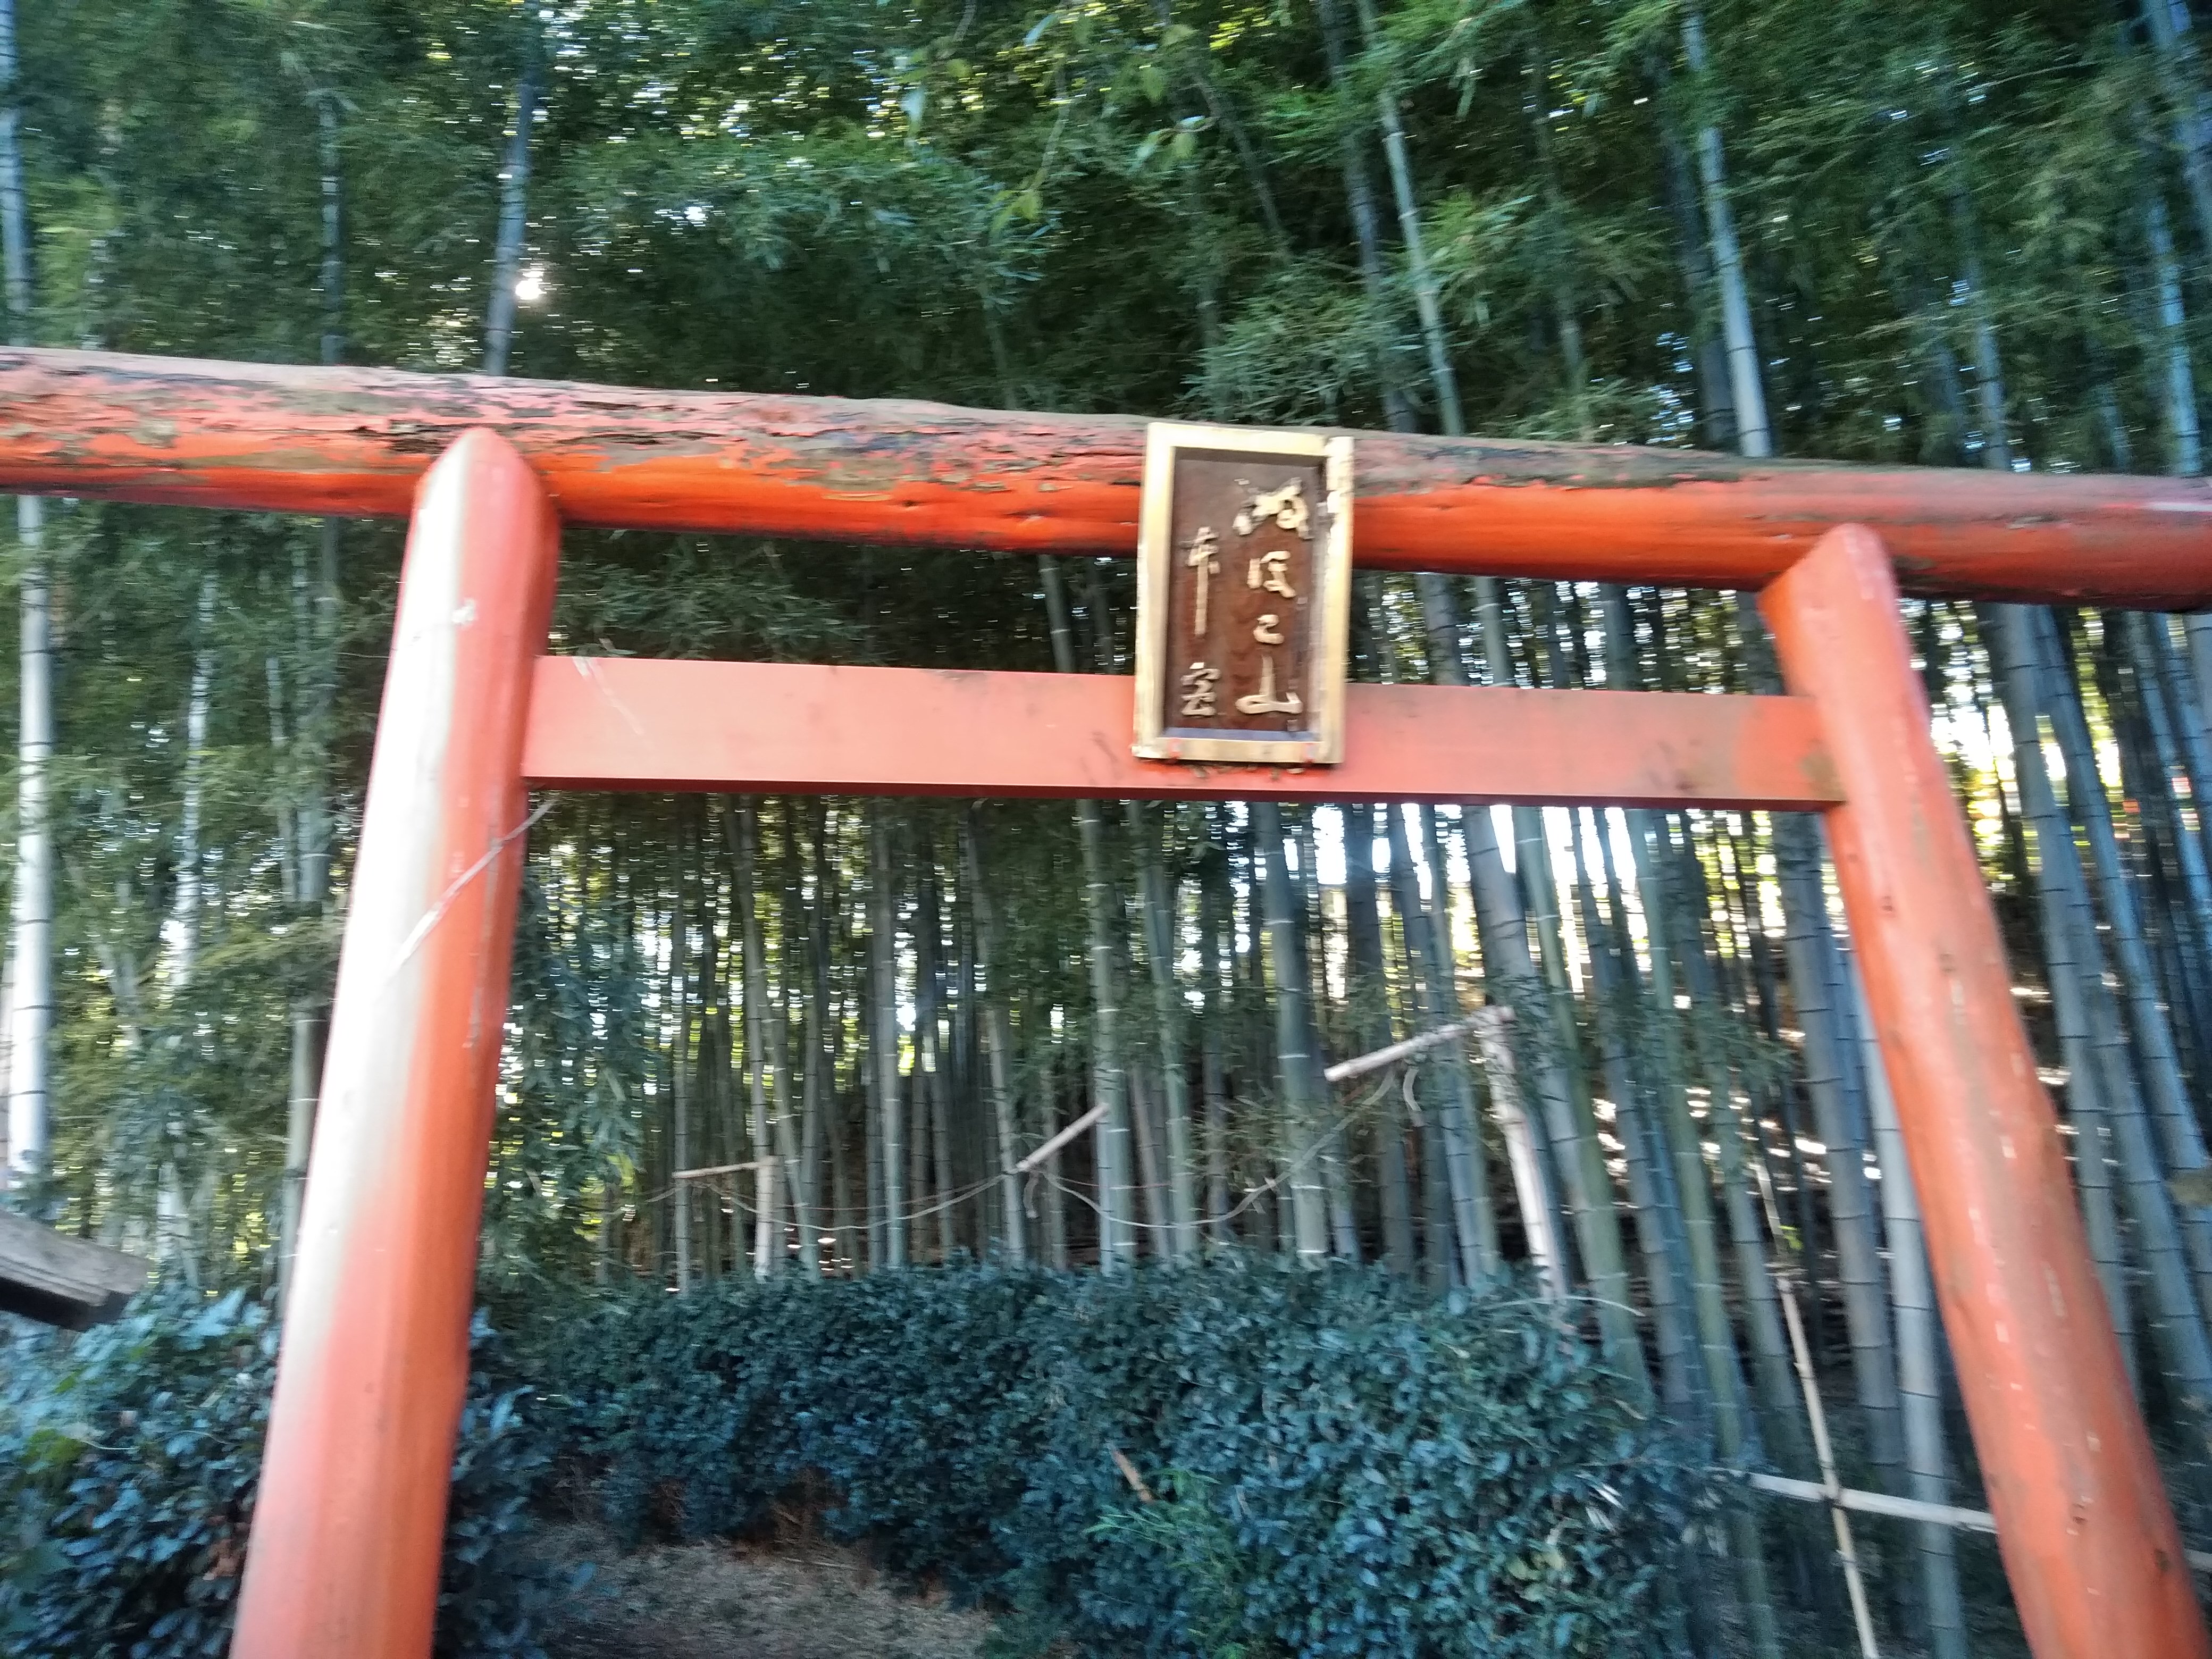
{"x": 345, "y": 1556}
{"x": 2088, "y": 1537}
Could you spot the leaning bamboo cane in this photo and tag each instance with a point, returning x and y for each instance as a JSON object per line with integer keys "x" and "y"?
{"x": 1830, "y": 1489}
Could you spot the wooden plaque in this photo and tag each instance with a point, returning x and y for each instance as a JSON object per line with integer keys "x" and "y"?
{"x": 1243, "y": 595}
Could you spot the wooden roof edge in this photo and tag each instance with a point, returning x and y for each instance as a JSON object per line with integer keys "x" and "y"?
{"x": 56, "y": 1279}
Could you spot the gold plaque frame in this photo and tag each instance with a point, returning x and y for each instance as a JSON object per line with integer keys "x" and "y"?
{"x": 1321, "y": 741}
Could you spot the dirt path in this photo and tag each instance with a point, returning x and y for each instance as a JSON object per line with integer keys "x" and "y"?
{"x": 801, "y": 1599}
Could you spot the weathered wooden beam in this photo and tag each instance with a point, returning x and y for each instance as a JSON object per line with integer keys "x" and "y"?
{"x": 809, "y": 728}
{"x": 59, "y": 1280}
{"x": 354, "y": 442}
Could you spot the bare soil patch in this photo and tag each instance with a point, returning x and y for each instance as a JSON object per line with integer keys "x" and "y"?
{"x": 795, "y": 1597}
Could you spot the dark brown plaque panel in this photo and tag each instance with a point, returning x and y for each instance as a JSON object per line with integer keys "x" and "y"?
{"x": 1245, "y": 556}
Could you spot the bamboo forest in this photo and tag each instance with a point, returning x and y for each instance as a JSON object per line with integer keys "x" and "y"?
{"x": 1232, "y": 1228}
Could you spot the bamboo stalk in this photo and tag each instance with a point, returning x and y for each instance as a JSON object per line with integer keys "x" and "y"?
{"x": 997, "y": 1041}
{"x": 1615, "y": 981}
{"x": 1475, "y": 1225}
{"x": 1521, "y": 1155}
{"x": 1110, "y": 1080}
{"x": 679, "y": 1064}
{"x": 764, "y": 1059}
{"x": 1439, "y": 1232}
{"x": 1159, "y": 950}
{"x": 1301, "y": 1113}
{"x": 1505, "y": 907}
{"x": 2169, "y": 864}
{"x": 1762, "y": 1325}
{"x": 714, "y": 1169}
{"x": 887, "y": 1147}
{"x": 1312, "y": 945}
{"x": 2101, "y": 1090}
{"x": 1693, "y": 1187}
{"x": 1368, "y": 991}
{"x": 2171, "y": 1110}
{"x": 1214, "y": 1084}
{"x": 929, "y": 1052}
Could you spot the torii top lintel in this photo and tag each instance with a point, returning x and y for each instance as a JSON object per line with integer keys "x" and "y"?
{"x": 353, "y": 441}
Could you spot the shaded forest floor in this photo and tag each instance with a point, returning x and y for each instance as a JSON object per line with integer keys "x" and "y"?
{"x": 795, "y": 1597}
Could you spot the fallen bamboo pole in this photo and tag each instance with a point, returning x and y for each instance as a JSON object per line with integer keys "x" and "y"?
{"x": 354, "y": 442}
{"x": 1061, "y": 1139}
{"x": 1345, "y": 1070}
{"x": 713, "y": 1170}
{"x": 1905, "y": 1509}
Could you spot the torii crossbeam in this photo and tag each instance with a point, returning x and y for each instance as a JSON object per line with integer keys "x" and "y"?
{"x": 344, "y": 1559}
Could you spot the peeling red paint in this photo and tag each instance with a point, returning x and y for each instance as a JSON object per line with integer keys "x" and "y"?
{"x": 353, "y": 441}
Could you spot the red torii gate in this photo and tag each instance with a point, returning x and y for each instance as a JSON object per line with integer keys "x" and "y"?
{"x": 344, "y": 1562}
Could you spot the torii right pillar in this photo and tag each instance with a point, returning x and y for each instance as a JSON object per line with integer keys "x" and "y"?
{"x": 2089, "y": 1538}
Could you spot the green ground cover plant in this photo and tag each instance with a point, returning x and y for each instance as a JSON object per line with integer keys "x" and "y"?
{"x": 128, "y": 1458}
{"x": 1335, "y": 1464}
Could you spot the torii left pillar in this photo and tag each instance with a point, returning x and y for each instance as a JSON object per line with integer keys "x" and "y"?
{"x": 347, "y": 1530}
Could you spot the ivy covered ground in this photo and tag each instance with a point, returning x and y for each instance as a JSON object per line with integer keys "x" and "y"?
{"x": 1246, "y": 1459}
